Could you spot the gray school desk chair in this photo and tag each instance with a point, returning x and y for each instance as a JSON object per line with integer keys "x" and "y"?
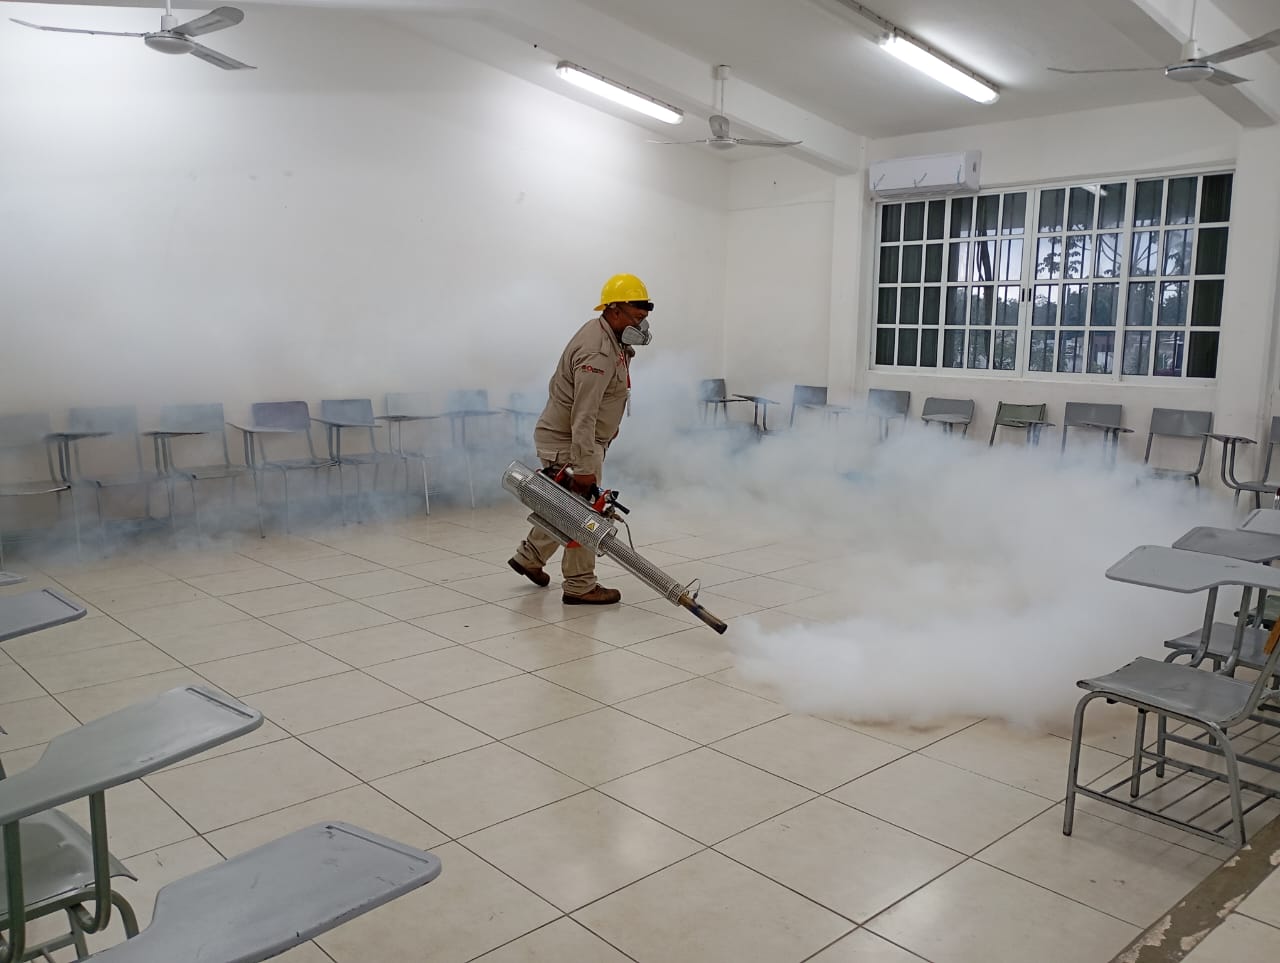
{"x": 414, "y": 408}
{"x": 104, "y": 451}
{"x": 354, "y": 416}
{"x": 1107, "y": 419}
{"x": 887, "y": 405}
{"x": 199, "y": 434}
{"x": 1178, "y": 423}
{"x": 714, "y": 399}
{"x": 1028, "y": 418}
{"x": 814, "y": 398}
{"x": 278, "y": 420}
{"x": 24, "y": 442}
{"x": 1257, "y": 487}
{"x": 950, "y": 413}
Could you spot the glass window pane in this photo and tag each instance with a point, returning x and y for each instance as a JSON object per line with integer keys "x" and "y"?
{"x": 981, "y": 301}
{"x": 979, "y": 348}
{"x": 1206, "y": 304}
{"x": 1014, "y": 218}
{"x": 1146, "y": 248}
{"x": 1139, "y": 309}
{"x": 1044, "y": 306}
{"x": 891, "y": 222}
{"x": 1102, "y": 351}
{"x": 912, "y": 256}
{"x": 1202, "y": 355}
{"x": 958, "y": 261}
{"x": 1080, "y": 210}
{"x": 1049, "y": 257}
{"x": 1079, "y": 255}
{"x": 988, "y": 215}
{"x": 961, "y": 216}
{"x": 909, "y": 306}
{"x": 1071, "y": 351}
{"x": 1169, "y": 346}
{"x": 913, "y": 229}
{"x": 884, "y": 345}
{"x": 1004, "y": 354}
{"x": 933, "y": 262}
{"x": 1181, "y": 208}
{"x": 1177, "y": 252}
{"x": 888, "y": 265}
{"x": 1011, "y": 260}
{"x": 932, "y": 306}
{"x": 1215, "y": 198}
{"x": 1173, "y": 303}
{"x": 1051, "y": 205}
{"x": 907, "y": 339}
{"x": 1041, "y": 355}
{"x": 1137, "y": 353}
{"x": 887, "y": 308}
{"x": 1075, "y": 302}
{"x": 928, "y": 349}
{"x": 937, "y": 220}
{"x": 1103, "y": 314}
{"x": 1146, "y": 203}
{"x": 1007, "y": 303}
{"x": 1211, "y": 251}
{"x": 984, "y": 261}
{"x": 1108, "y": 256}
{"x": 956, "y": 299}
{"x": 953, "y": 349}
{"x": 1111, "y": 205}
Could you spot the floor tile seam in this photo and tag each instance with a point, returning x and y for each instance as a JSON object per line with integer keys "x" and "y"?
{"x": 810, "y": 959}
{"x": 747, "y": 762}
{"x": 661, "y": 688}
{"x": 618, "y": 707}
{"x": 630, "y": 772}
{"x": 334, "y": 725}
{"x": 205, "y": 596}
{"x": 734, "y": 688}
{"x": 417, "y": 765}
{"x": 1256, "y": 919}
{"x": 542, "y": 926}
{"x": 522, "y": 732}
{"x": 131, "y": 678}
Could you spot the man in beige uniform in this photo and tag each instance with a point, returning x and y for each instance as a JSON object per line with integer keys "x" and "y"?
{"x": 586, "y": 398}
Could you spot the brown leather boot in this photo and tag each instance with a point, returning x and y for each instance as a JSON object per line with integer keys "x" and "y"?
{"x": 535, "y": 575}
{"x": 597, "y": 596}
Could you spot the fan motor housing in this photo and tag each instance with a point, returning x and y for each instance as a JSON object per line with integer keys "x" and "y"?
{"x": 1188, "y": 73}
{"x": 170, "y": 43}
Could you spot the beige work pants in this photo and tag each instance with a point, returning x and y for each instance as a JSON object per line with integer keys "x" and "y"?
{"x": 578, "y": 565}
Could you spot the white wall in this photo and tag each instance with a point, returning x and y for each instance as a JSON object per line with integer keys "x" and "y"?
{"x": 366, "y": 212}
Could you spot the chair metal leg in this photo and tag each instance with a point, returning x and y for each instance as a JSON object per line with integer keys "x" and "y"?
{"x": 285, "y": 475}
{"x": 1233, "y": 779}
{"x": 1073, "y": 766}
{"x": 257, "y": 497}
{"x": 195, "y": 504}
{"x": 426, "y": 487}
{"x": 1139, "y": 734}
{"x": 470, "y": 484}
{"x": 1162, "y": 728}
{"x": 102, "y": 528}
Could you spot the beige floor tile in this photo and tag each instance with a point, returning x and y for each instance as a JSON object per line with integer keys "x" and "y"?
{"x": 1113, "y": 869}
{"x": 33, "y": 721}
{"x": 138, "y": 820}
{"x": 241, "y": 785}
{"x": 223, "y": 641}
{"x": 545, "y": 606}
{"x": 1238, "y": 939}
{"x": 131, "y": 599}
{"x": 624, "y": 625}
{"x": 112, "y": 576}
{"x": 766, "y": 591}
{"x": 735, "y": 679}
{"x": 67, "y": 639}
{"x": 559, "y": 942}
{"x": 579, "y": 849}
{"x": 540, "y": 647}
{"x": 246, "y": 580}
{"x": 280, "y": 548}
{"x": 698, "y": 650}
{"x": 940, "y": 802}
{"x": 1263, "y": 904}
{"x": 702, "y": 711}
{"x": 200, "y": 562}
{"x": 721, "y": 606}
{"x": 863, "y": 946}
{"x": 381, "y": 581}
{"x": 359, "y": 805}
{"x": 760, "y": 561}
{"x": 286, "y": 598}
{"x": 477, "y": 622}
{"x": 467, "y": 543}
{"x": 109, "y": 663}
{"x": 809, "y": 751}
{"x": 601, "y": 745}
{"x": 439, "y": 673}
{"x": 16, "y": 685}
{"x": 171, "y": 621}
{"x": 848, "y": 861}
{"x": 328, "y": 566}
{"x": 95, "y": 701}
{"x": 452, "y": 569}
{"x": 615, "y": 675}
{"x": 710, "y": 909}
{"x": 470, "y": 909}
{"x": 265, "y": 733}
{"x": 382, "y": 643}
{"x": 1031, "y": 762}
{"x": 477, "y": 788}
{"x": 706, "y": 795}
{"x": 708, "y": 573}
{"x": 514, "y": 705}
{"x": 906, "y": 735}
{"x": 327, "y": 701}
{"x": 419, "y": 602}
{"x": 326, "y": 620}
{"x": 270, "y": 669}
{"x": 394, "y": 552}
{"x": 395, "y": 740}
{"x": 500, "y": 586}
{"x": 976, "y": 914}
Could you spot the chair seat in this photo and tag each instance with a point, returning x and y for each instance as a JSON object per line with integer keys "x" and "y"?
{"x": 1221, "y": 637}
{"x": 368, "y": 457}
{"x": 33, "y": 488}
{"x": 1193, "y": 693}
{"x": 1264, "y": 488}
{"x": 123, "y": 480}
{"x": 290, "y": 464}
{"x": 1173, "y": 472}
{"x": 57, "y": 863}
{"x": 202, "y": 472}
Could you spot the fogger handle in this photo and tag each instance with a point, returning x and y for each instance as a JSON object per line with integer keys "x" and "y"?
{"x": 692, "y": 605}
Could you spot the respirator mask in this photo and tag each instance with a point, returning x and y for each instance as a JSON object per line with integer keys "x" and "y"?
{"x": 637, "y": 334}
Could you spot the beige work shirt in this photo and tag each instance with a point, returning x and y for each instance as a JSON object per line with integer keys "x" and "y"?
{"x": 586, "y": 398}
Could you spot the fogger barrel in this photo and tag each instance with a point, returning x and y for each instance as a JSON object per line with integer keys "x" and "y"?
{"x": 567, "y": 518}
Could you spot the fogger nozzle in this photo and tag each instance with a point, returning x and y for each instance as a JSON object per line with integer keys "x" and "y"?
{"x": 567, "y": 518}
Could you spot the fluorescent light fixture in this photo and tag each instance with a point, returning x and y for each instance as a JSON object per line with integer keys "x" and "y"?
{"x": 927, "y": 62}
{"x": 619, "y": 93}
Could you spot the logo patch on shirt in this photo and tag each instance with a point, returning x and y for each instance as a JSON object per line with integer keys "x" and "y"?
{"x": 587, "y": 367}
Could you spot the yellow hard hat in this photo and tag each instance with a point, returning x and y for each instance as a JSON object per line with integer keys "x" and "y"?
{"x": 622, "y": 287}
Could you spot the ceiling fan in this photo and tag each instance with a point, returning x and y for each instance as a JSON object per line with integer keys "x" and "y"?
{"x": 174, "y": 38}
{"x": 720, "y": 137}
{"x": 1196, "y": 64}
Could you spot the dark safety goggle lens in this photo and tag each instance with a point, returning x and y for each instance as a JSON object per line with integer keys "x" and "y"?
{"x": 643, "y": 305}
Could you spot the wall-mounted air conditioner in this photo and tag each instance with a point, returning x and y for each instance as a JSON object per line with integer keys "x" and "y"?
{"x": 934, "y": 174}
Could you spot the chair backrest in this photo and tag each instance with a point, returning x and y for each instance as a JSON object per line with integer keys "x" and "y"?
{"x": 1078, "y": 413}
{"x": 410, "y": 404}
{"x": 1180, "y": 423}
{"x": 115, "y": 420}
{"x": 809, "y": 395}
{"x": 948, "y": 406}
{"x": 468, "y": 399}
{"x": 888, "y": 404}
{"x": 357, "y": 410}
{"x": 527, "y": 402}
{"x": 203, "y": 418}
{"x": 1009, "y": 415}
{"x": 23, "y": 430}
{"x": 293, "y": 415}
{"x": 712, "y": 389}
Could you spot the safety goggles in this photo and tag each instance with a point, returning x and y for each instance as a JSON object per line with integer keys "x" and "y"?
{"x": 642, "y": 305}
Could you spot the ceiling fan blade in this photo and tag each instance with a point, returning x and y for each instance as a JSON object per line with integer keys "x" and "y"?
{"x": 1104, "y": 70}
{"x": 217, "y": 59}
{"x": 1265, "y": 42}
{"x": 678, "y": 143}
{"x": 218, "y": 19}
{"x": 101, "y": 33}
{"x": 1224, "y": 78}
{"x": 747, "y": 142}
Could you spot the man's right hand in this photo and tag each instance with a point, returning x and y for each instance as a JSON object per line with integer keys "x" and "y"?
{"x": 583, "y": 483}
